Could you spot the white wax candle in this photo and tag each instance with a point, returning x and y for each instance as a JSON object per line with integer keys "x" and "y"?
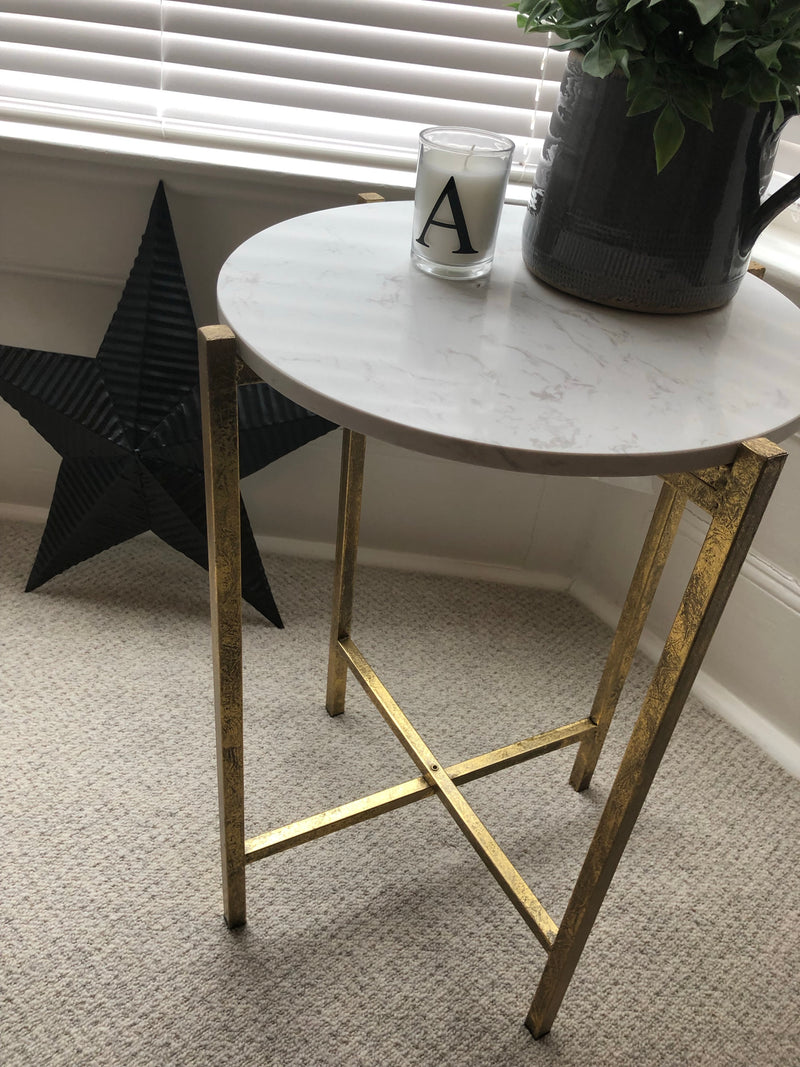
{"x": 478, "y": 185}
{"x": 461, "y": 183}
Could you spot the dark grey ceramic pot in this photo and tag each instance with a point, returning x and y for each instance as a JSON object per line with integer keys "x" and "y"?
{"x": 602, "y": 224}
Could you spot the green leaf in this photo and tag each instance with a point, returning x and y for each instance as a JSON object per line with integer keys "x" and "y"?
{"x": 727, "y": 41}
{"x": 599, "y": 60}
{"x": 647, "y": 100}
{"x": 707, "y": 9}
{"x": 642, "y": 76}
{"x": 656, "y": 23}
{"x": 736, "y": 83}
{"x": 762, "y": 86}
{"x": 749, "y": 17}
{"x": 667, "y": 136}
{"x": 573, "y": 42}
{"x": 703, "y": 50}
{"x": 576, "y": 9}
{"x": 564, "y": 46}
{"x": 621, "y": 57}
{"x": 538, "y": 14}
{"x": 633, "y": 36}
{"x": 701, "y": 90}
{"x": 768, "y": 55}
{"x": 693, "y": 108}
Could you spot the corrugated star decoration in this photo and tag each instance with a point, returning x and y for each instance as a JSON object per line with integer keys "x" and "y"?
{"x": 127, "y": 425}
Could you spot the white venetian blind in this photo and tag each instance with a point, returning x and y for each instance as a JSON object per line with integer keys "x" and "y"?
{"x": 72, "y": 61}
{"x": 352, "y": 79}
{"x": 327, "y": 79}
{"x": 366, "y": 74}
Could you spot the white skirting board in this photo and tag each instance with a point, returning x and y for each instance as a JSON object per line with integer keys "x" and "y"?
{"x": 784, "y": 749}
{"x": 766, "y": 591}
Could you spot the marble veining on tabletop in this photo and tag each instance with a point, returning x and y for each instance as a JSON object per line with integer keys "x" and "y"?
{"x": 503, "y": 371}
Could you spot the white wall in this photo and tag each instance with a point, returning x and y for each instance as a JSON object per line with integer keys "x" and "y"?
{"x": 70, "y": 224}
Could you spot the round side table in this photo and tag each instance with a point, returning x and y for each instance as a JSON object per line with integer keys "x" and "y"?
{"x": 501, "y": 372}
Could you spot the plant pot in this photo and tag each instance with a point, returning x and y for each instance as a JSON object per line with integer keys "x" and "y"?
{"x": 602, "y": 224}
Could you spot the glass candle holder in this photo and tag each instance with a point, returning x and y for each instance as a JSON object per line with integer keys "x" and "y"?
{"x": 461, "y": 184}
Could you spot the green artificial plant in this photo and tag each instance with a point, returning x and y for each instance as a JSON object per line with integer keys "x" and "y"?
{"x": 679, "y": 55}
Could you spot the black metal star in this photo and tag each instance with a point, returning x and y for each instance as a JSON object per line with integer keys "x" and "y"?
{"x": 127, "y": 424}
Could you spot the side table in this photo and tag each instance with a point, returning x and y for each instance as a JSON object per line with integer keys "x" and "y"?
{"x": 507, "y": 373}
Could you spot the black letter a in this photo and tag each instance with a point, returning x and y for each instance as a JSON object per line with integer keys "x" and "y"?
{"x": 458, "y": 224}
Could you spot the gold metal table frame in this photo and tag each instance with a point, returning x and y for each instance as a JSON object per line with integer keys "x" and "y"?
{"x": 734, "y": 496}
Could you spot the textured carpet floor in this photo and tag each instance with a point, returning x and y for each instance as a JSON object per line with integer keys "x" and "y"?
{"x": 388, "y": 944}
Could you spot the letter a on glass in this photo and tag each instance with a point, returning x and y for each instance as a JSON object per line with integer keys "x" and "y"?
{"x": 459, "y": 223}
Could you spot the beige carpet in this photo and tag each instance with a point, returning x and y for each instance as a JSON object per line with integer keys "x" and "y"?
{"x": 388, "y": 944}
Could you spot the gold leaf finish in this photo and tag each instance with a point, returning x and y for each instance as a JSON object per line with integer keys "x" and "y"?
{"x": 735, "y": 498}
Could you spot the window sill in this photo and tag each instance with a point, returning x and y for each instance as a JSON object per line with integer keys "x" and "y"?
{"x": 389, "y": 172}
{"x": 778, "y": 248}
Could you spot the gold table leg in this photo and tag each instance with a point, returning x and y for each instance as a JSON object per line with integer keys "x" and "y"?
{"x": 218, "y": 380}
{"x": 655, "y": 552}
{"x": 738, "y": 508}
{"x": 350, "y": 486}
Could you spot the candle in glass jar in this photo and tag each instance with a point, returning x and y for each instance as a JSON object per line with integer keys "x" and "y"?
{"x": 460, "y": 189}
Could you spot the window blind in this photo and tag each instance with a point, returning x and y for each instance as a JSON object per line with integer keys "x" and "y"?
{"x": 84, "y": 60}
{"x": 345, "y": 80}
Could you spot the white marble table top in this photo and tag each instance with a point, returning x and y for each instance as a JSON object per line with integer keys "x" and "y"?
{"x": 503, "y": 372}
